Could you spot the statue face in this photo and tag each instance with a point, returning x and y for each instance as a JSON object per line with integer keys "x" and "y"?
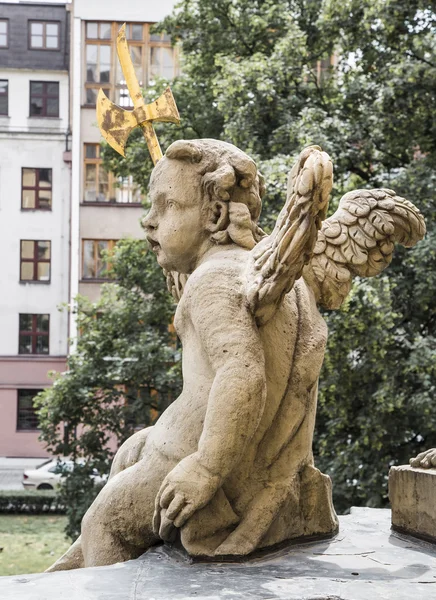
{"x": 176, "y": 224}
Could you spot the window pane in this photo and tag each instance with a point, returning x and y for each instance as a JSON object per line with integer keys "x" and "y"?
{"x": 27, "y": 416}
{"x": 92, "y": 30}
{"x": 26, "y": 322}
{"x": 91, "y": 150}
{"x": 88, "y": 260}
{"x": 136, "y": 55}
{"x": 36, "y": 28}
{"x": 26, "y": 273}
{"x": 3, "y": 39}
{"x": 44, "y": 250}
{"x": 36, "y": 87}
{"x": 155, "y": 37}
{"x": 42, "y": 322}
{"x": 44, "y": 271}
{"x": 52, "y": 107}
{"x": 91, "y": 63}
{"x": 101, "y": 263}
{"x": 105, "y": 31}
{"x": 52, "y": 29}
{"x": 35, "y": 107}
{"x": 3, "y": 86}
{"x": 27, "y": 249}
{"x": 37, "y": 41}
{"x": 3, "y": 27}
{"x": 44, "y": 198}
{"x": 25, "y": 344}
{"x": 90, "y": 183}
{"x": 53, "y": 89}
{"x": 28, "y": 200}
{"x": 168, "y": 62}
{"x": 91, "y": 95}
{"x": 45, "y": 178}
{"x": 29, "y": 177}
{"x": 3, "y": 105}
{"x": 155, "y": 61}
{"x": 103, "y": 185}
{"x": 41, "y": 344}
{"x": 51, "y": 42}
{"x": 105, "y": 63}
{"x": 136, "y": 32}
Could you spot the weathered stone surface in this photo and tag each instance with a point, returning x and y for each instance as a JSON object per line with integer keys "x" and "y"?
{"x": 366, "y": 561}
{"x": 228, "y": 468}
{"x": 412, "y": 492}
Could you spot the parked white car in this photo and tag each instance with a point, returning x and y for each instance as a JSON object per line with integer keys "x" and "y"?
{"x": 48, "y": 475}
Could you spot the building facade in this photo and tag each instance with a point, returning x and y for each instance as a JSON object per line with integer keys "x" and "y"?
{"x": 105, "y": 209}
{"x": 59, "y": 209}
{"x": 35, "y": 175}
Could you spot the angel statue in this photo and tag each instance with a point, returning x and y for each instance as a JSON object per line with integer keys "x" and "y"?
{"x": 228, "y": 467}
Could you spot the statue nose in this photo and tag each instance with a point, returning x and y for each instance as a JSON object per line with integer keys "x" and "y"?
{"x": 149, "y": 222}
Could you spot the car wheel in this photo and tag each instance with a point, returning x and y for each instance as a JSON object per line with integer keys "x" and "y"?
{"x": 44, "y": 486}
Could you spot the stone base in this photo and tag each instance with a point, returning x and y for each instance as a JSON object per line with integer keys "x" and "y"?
{"x": 412, "y": 493}
{"x": 364, "y": 561}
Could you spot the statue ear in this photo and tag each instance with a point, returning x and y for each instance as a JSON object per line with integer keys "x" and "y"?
{"x": 218, "y": 216}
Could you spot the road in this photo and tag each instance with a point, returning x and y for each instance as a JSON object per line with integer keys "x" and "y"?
{"x": 11, "y": 471}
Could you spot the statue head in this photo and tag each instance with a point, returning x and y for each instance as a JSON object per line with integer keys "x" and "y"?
{"x": 203, "y": 193}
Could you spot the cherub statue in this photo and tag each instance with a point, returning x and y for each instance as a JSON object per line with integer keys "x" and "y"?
{"x": 228, "y": 467}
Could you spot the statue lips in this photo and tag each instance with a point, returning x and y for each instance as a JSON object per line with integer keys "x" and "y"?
{"x": 154, "y": 245}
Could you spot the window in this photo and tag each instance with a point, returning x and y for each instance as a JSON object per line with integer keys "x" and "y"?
{"x": 4, "y": 27}
{"x": 101, "y": 186}
{"x": 35, "y": 260}
{"x": 44, "y": 99}
{"x": 27, "y": 415}
{"x": 4, "y": 96}
{"x": 36, "y": 189}
{"x": 152, "y": 55}
{"x": 44, "y": 35}
{"x": 34, "y": 334}
{"x": 94, "y": 265}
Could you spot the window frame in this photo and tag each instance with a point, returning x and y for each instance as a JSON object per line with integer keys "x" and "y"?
{"x": 44, "y": 35}
{"x": 35, "y": 262}
{"x": 6, "y": 114}
{"x": 111, "y": 245}
{"x": 29, "y": 391}
{"x": 44, "y": 96}
{"x": 7, "y": 33}
{"x": 36, "y": 189}
{"x": 34, "y": 333}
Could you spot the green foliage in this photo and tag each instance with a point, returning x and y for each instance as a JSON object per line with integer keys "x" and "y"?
{"x": 250, "y": 76}
{"x": 123, "y": 373}
{"x": 31, "y": 502}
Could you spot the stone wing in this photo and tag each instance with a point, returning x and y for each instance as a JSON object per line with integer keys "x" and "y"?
{"x": 277, "y": 261}
{"x": 359, "y": 239}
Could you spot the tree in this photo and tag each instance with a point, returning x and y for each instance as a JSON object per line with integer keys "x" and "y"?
{"x": 124, "y": 372}
{"x": 258, "y": 74}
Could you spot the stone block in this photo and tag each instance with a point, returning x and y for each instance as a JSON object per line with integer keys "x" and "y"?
{"x": 412, "y": 493}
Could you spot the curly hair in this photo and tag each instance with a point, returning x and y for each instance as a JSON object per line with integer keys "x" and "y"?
{"x": 227, "y": 175}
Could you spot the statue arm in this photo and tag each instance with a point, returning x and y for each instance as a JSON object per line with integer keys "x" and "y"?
{"x": 226, "y": 333}
{"x": 231, "y": 341}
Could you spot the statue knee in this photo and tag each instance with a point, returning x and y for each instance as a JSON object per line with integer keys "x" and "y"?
{"x": 130, "y": 452}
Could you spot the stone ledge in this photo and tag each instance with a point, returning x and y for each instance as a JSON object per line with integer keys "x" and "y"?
{"x": 364, "y": 561}
{"x": 412, "y": 492}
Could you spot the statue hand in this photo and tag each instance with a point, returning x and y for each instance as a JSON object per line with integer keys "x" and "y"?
{"x": 186, "y": 489}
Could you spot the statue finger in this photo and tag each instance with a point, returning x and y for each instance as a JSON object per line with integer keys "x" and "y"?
{"x": 167, "y": 496}
{"x": 167, "y": 531}
{"x": 185, "y": 514}
{"x": 176, "y": 506}
{"x": 156, "y": 521}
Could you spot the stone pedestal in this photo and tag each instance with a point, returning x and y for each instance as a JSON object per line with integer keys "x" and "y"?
{"x": 366, "y": 560}
{"x": 412, "y": 493}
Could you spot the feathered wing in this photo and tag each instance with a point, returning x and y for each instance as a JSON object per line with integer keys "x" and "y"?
{"x": 277, "y": 261}
{"x": 359, "y": 240}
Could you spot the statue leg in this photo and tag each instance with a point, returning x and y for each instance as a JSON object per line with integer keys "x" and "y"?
{"x": 127, "y": 455}
{"x": 118, "y": 525}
